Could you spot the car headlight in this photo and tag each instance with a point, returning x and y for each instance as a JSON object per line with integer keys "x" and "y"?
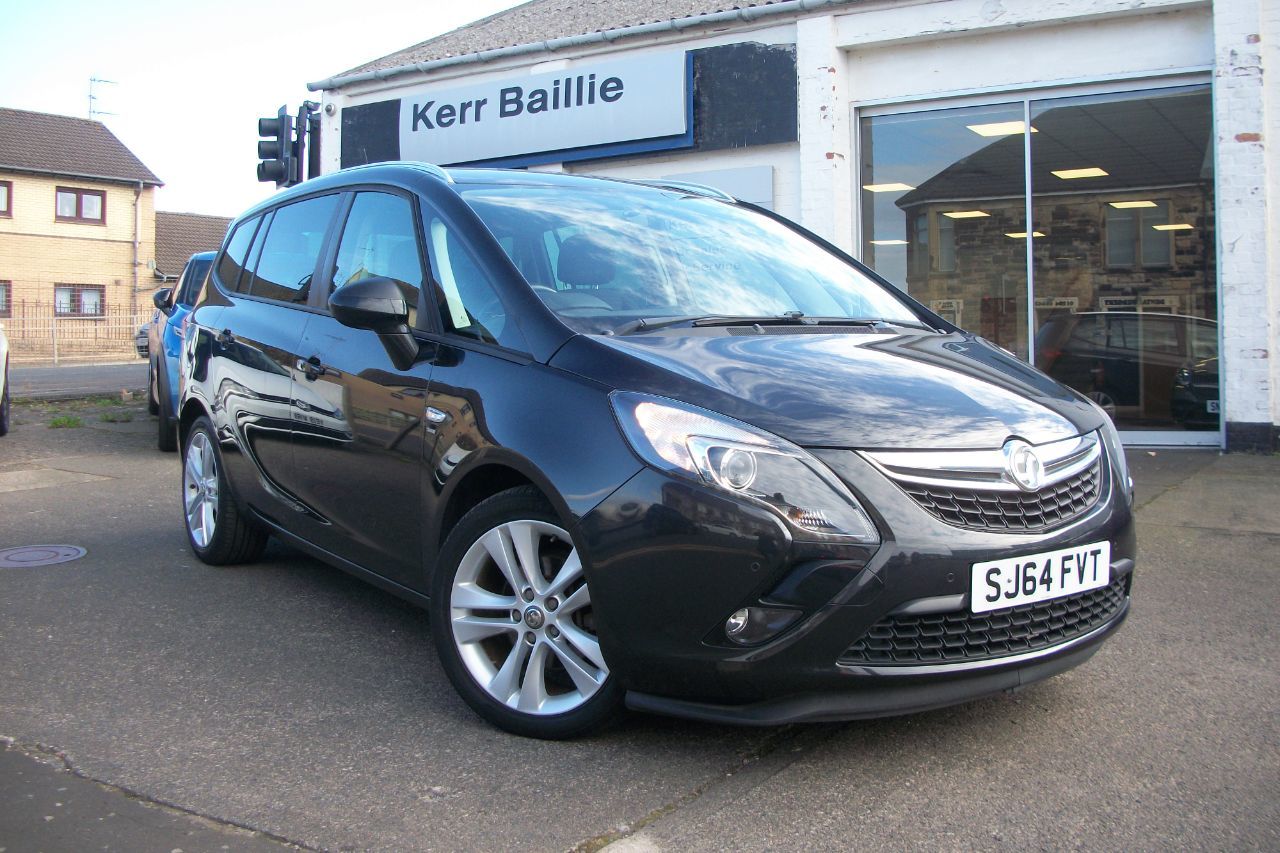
{"x": 746, "y": 461}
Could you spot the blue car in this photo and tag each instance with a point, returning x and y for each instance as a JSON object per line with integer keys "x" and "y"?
{"x": 164, "y": 345}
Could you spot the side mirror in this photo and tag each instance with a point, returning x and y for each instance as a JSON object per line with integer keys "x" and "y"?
{"x": 374, "y": 303}
{"x": 378, "y": 304}
{"x": 160, "y": 299}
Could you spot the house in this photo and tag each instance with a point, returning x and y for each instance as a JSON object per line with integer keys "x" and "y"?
{"x": 77, "y": 233}
{"x": 181, "y": 235}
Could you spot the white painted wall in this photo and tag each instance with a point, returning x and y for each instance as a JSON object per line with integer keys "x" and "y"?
{"x": 1269, "y": 38}
{"x": 1244, "y": 118}
{"x": 1035, "y": 55}
{"x": 371, "y": 92}
{"x": 826, "y": 147}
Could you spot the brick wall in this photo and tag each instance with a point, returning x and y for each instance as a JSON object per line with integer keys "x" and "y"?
{"x": 37, "y": 251}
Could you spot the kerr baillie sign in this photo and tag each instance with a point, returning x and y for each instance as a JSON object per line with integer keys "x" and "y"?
{"x": 577, "y": 107}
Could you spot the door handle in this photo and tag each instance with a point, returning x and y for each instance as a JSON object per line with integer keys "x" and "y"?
{"x": 311, "y": 367}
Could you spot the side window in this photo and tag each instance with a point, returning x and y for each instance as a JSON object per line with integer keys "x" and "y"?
{"x": 192, "y": 278}
{"x": 469, "y": 303}
{"x": 1090, "y": 332}
{"x": 380, "y": 239}
{"x": 291, "y": 249}
{"x": 1204, "y": 340}
{"x": 1159, "y": 334}
{"x": 232, "y": 261}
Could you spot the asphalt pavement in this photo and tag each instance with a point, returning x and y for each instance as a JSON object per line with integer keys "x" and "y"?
{"x": 286, "y": 704}
{"x": 69, "y": 381}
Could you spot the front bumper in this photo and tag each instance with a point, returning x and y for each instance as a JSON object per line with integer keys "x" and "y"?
{"x": 668, "y": 561}
{"x": 866, "y": 701}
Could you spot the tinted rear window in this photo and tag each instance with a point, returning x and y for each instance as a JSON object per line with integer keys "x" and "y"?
{"x": 232, "y": 261}
{"x": 291, "y": 249}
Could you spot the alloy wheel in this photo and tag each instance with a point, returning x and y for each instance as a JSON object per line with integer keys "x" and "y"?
{"x": 200, "y": 489}
{"x": 521, "y": 619}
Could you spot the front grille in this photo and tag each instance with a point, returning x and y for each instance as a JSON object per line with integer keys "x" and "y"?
{"x": 1014, "y": 512}
{"x": 942, "y": 638}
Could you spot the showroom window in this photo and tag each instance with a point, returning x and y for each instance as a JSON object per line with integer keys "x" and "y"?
{"x": 76, "y": 205}
{"x": 1120, "y": 189}
{"x": 79, "y": 300}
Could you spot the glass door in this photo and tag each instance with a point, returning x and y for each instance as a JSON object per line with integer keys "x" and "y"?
{"x": 1125, "y": 295}
{"x": 943, "y": 205}
{"x": 1111, "y": 289}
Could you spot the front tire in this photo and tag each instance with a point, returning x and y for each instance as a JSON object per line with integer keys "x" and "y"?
{"x": 513, "y": 622}
{"x": 217, "y": 531}
{"x": 153, "y": 406}
{"x": 4, "y": 403}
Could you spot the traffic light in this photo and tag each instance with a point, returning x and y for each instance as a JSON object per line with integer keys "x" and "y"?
{"x": 276, "y": 151}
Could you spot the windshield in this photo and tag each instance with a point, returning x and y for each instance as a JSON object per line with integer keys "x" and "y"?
{"x": 613, "y": 257}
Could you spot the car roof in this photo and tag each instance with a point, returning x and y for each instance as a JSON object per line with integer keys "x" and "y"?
{"x": 417, "y": 174}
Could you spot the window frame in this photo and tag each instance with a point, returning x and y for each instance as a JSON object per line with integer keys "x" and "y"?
{"x": 320, "y": 269}
{"x": 1142, "y": 222}
{"x": 6, "y": 212}
{"x": 324, "y": 285}
{"x": 80, "y": 194}
{"x": 78, "y": 291}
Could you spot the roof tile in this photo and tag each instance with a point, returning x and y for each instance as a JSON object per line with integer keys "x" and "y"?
{"x": 181, "y": 235}
{"x": 41, "y": 142}
{"x": 542, "y": 20}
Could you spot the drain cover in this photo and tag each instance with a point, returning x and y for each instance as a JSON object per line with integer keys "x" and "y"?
{"x": 30, "y": 556}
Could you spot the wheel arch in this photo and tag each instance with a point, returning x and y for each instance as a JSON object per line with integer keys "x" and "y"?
{"x": 482, "y": 480}
{"x": 191, "y": 410}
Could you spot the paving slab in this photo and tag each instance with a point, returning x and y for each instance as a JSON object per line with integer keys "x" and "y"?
{"x": 40, "y": 798}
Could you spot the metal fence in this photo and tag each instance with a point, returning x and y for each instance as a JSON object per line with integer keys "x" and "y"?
{"x": 39, "y": 333}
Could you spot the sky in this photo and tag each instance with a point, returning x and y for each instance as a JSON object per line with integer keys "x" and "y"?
{"x": 192, "y": 79}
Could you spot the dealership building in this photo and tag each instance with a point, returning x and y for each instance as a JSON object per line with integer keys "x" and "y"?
{"x": 1086, "y": 183}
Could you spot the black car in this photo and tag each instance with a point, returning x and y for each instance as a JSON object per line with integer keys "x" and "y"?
{"x": 1136, "y": 365}
{"x": 644, "y": 444}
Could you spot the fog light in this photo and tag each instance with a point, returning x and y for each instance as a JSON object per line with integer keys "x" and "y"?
{"x": 752, "y": 625}
{"x": 737, "y": 623}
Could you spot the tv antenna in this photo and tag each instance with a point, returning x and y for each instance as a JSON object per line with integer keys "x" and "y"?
{"x": 94, "y": 112}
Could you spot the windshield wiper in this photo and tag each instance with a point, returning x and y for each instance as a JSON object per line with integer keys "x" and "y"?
{"x": 644, "y": 323}
{"x": 790, "y": 318}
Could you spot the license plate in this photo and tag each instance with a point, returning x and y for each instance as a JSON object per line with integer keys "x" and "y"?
{"x": 1211, "y": 406}
{"x": 1039, "y": 577}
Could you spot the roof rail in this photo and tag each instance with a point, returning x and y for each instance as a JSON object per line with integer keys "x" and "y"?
{"x": 687, "y": 187}
{"x": 429, "y": 168}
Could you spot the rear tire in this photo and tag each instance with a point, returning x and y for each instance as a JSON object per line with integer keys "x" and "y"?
{"x": 167, "y": 426}
{"x": 217, "y": 531}
{"x": 4, "y": 403}
{"x": 513, "y": 621}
